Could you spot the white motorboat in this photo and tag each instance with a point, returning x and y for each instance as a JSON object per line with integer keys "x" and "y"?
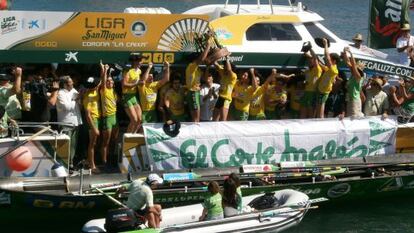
{"x": 283, "y": 209}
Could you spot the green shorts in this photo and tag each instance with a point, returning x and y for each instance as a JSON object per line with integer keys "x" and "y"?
{"x": 109, "y": 122}
{"x": 149, "y": 116}
{"x": 257, "y": 117}
{"x": 180, "y": 118}
{"x": 322, "y": 97}
{"x": 193, "y": 100}
{"x": 308, "y": 99}
{"x": 96, "y": 123}
{"x": 129, "y": 100}
{"x": 238, "y": 115}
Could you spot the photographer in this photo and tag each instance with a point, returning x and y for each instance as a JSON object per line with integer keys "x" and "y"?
{"x": 43, "y": 95}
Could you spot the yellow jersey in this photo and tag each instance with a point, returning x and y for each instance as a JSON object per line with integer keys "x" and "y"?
{"x": 327, "y": 79}
{"x": 91, "y": 102}
{"x": 148, "y": 95}
{"x": 242, "y": 96}
{"x": 273, "y": 96}
{"x": 257, "y": 104}
{"x": 227, "y": 82}
{"x": 133, "y": 75}
{"x": 163, "y": 90}
{"x": 109, "y": 99}
{"x": 176, "y": 101}
{"x": 295, "y": 97}
{"x": 312, "y": 76}
{"x": 192, "y": 77}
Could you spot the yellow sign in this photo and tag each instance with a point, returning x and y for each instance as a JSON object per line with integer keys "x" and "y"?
{"x": 169, "y": 57}
{"x": 157, "y": 58}
{"x": 92, "y": 31}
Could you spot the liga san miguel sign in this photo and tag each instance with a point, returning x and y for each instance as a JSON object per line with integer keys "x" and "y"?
{"x": 67, "y": 36}
{"x": 225, "y": 144}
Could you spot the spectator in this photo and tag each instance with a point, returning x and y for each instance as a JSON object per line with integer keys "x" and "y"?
{"x": 148, "y": 89}
{"x": 327, "y": 79}
{"x": 209, "y": 94}
{"x": 91, "y": 104}
{"x": 192, "y": 79}
{"x": 68, "y": 111}
{"x": 275, "y": 99}
{"x": 358, "y": 40}
{"x": 243, "y": 94}
{"x": 161, "y": 101}
{"x": 376, "y": 102}
{"x": 129, "y": 91}
{"x": 257, "y": 104}
{"x": 109, "y": 100}
{"x": 404, "y": 106}
{"x": 405, "y": 45}
{"x": 354, "y": 105}
{"x": 313, "y": 74}
{"x": 174, "y": 100}
{"x": 296, "y": 92}
{"x": 228, "y": 79}
{"x": 336, "y": 102}
{"x": 8, "y": 90}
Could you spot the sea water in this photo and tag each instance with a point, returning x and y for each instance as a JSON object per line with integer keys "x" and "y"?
{"x": 345, "y": 18}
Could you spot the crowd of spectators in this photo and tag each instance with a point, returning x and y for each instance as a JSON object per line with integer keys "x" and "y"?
{"x": 210, "y": 89}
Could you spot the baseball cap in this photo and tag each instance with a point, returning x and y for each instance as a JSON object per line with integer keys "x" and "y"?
{"x": 153, "y": 177}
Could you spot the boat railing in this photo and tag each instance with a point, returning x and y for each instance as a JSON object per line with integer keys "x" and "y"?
{"x": 57, "y": 128}
{"x": 270, "y": 3}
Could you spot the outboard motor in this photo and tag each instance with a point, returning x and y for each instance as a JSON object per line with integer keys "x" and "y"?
{"x": 122, "y": 219}
{"x": 266, "y": 201}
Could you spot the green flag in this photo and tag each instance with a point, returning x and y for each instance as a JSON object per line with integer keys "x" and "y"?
{"x": 5, "y": 4}
{"x": 386, "y": 19}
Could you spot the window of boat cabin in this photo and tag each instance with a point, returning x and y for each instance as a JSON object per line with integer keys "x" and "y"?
{"x": 272, "y": 32}
{"x": 317, "y": 32}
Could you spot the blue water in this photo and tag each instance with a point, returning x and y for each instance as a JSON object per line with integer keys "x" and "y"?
{"x": 344, "y": 18}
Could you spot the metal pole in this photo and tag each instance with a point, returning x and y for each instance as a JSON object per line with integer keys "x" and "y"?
{"x": 238, "y": 7}
{"x": 271, "y": 6}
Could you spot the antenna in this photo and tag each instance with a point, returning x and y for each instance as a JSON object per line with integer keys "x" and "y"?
{"x": 271, "y": 6}
{"x": 238, "y": 6}
{"x": 227, "y": 2}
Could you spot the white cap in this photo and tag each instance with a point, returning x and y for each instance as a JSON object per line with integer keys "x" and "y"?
{"x": 154, "y": 177}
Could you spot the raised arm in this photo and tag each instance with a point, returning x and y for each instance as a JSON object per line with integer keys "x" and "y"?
{"x": 104, "y": 74}
{"x": 144, "y": 77}
{"x": 326, "y": 52}
{"x": 204, "y": 54}
{"x": 352, "y": 63}
{"x": 165, "y": 74}
{"x": 254, "y": 82}
{"x": 17, "y": 86}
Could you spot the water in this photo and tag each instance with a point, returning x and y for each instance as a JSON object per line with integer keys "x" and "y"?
{"x": 344, "y": 18}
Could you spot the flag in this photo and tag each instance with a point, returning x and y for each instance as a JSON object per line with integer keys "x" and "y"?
{"x": 5, "y": 4}
{"x": 386, "y": 18}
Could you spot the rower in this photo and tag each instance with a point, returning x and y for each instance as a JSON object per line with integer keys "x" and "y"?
{"x": 141, "y": 198}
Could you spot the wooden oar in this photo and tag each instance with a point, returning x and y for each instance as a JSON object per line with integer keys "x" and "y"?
{"x": 24, "y": 142}
{"x": 111, "y": 198}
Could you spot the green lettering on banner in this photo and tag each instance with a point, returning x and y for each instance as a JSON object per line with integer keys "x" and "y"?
{"x": 292, "y": 150}
{"x": 155, "y": 136}
{"x": 330, "y": 149}
{"x": 378, "y": 128}
{"x": 264, "y": 157}
{"x": 159, "y": 156}
{"x": 201, "y": 157}
{"x": 187, "y": 158}
{"x": 214, "y": 150}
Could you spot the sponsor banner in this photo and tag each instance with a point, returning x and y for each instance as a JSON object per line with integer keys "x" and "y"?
{"x": 386, "y": 19}
{"x": 225, "y": 144}
{"x": 29, "y": 30}
{"x": 386, "y": 68}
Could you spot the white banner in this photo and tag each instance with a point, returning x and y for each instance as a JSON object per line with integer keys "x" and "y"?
{"x": 224, "y": 144}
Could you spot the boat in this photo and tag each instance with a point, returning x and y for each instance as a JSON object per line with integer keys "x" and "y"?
{"x": 271, "y": 212}
{"x": 57, "y": 199}
{"x": 257, "y": 35}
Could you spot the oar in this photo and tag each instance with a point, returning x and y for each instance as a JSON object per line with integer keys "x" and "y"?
{"x": 111, "y": 198}
{"x": 24, "y": 142}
